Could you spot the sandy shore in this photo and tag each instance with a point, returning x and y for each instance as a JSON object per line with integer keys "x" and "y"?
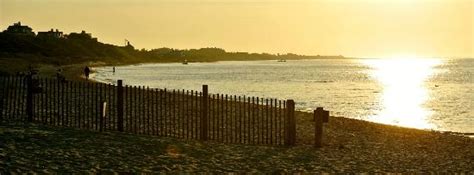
{"x": 349, "y": 146}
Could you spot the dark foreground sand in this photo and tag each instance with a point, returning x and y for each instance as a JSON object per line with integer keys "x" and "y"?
{"x": 349, "y": 146}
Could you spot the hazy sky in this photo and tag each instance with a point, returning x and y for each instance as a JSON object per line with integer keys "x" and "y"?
{"x": 364, "y": 28}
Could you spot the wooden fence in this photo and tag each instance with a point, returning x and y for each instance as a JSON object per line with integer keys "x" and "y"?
{"x": 142, "y": 110}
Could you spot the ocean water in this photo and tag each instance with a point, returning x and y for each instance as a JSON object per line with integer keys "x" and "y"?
{"x": 433, "y": 94}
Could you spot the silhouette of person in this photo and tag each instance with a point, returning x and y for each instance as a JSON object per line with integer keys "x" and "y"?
{"x": 60, "y": 76}
{"x": 87, "y": 70}
{"x": 113, "y": 69}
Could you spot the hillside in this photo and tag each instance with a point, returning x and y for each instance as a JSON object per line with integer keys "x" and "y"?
{"x": 18, "y": 43}
{"x": 77, "y": 48}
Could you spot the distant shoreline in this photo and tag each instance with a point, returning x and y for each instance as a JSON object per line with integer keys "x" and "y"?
{"x": 75, "y": 70}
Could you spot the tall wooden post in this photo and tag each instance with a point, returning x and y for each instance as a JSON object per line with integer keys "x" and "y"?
{"x": 119, "y": 105}
{"x": 318, "y": 126}
{"x": 290, "y": 124}
{"x": 4, "y": 92}
{"x": 204, "y": 114}
{"x": 29, "y": 98}
{"x": 320, "y": 116}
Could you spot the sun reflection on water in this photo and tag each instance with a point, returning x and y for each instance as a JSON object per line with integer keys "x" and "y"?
{"x": 404, "y": 92}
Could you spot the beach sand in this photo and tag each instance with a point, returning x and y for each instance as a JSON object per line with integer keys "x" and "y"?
{"x": 348, "y": 146}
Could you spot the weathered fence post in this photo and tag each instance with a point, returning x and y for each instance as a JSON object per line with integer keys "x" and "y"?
{"x": 320, "y": 116}
{"x": 318, "y": 126}
{"x": 4, "y": 84}
{"x": 103, "y": 110}
{"x": 29, "y": 98}
{"x": 119, "y": 105}
{"x": 290, "y": 124}
{"x": 204, "y": 114}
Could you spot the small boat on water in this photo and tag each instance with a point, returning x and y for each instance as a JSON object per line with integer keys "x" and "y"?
{"x": 185, "y": 62}
{"x": 281, "y": 60}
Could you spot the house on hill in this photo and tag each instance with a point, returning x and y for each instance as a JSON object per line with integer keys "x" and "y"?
{"x": 51, "y": 34}
{"x": 17, "y": 28}
{"x": 81, "y": 36}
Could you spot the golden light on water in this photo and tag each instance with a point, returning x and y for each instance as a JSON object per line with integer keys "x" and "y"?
{"x": 404, "y": 90}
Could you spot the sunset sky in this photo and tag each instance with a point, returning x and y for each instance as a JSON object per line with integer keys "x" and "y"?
{"x": 360, "y": 28}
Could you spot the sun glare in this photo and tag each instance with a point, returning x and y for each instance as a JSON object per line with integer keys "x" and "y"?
{"x": 404, "y": 92}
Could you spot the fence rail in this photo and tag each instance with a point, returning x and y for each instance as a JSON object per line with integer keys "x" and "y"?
{"x": 183, "y": 114}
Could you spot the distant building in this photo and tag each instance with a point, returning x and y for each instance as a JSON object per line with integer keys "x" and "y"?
{"x": 17, "y": 28}
{"x": 81, "y": 36}
{"x": 51, "y": 34}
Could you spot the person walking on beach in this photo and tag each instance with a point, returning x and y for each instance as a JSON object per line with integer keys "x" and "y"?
{"x": 87, "y": 70}
{"x": 60, "y": 76}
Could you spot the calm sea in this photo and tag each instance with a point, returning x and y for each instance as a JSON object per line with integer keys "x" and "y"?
{"x": 421, "y": 93}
